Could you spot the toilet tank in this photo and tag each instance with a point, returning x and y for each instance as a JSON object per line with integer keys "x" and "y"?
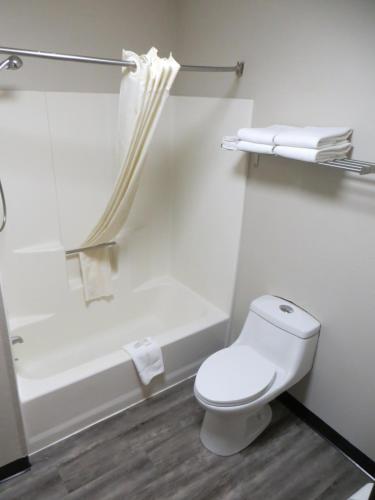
{"x": 283, "y": 333}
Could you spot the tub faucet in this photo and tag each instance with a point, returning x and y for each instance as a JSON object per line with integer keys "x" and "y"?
{"x": 16, "y": 339}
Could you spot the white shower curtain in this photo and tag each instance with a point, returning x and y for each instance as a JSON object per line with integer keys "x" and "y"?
{"x": 143, "y": 93}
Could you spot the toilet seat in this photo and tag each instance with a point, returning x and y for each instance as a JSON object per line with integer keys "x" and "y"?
{"x": 234, "y": 376}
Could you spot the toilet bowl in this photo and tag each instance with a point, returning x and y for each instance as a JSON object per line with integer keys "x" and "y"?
{"x": 274, "y": 350}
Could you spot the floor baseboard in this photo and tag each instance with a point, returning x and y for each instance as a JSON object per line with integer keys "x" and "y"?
{"x": 14, "y": 468}
{"x": 316, "y": 423}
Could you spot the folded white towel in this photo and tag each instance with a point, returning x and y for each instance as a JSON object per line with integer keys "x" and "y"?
{"x": 96, "y": 273}
{"x": 263, "y": 135}
{"x": 254, "y": 147}
{"x": 147, "y": 358}
{"x": 233, "y": 144}
{"x": 229, "y": 142}
{"x": 337, "y": 152}
{"x": 312, "y": 137}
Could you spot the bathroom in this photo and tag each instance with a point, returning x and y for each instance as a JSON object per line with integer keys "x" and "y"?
{"x": 210, "y": 232}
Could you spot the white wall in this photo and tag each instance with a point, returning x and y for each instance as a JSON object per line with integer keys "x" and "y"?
{"x": 308, "y": 232}
{"x": 86, "y": 27}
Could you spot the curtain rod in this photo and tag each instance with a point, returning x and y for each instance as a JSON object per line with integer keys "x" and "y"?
{"x": 238, "y": 68}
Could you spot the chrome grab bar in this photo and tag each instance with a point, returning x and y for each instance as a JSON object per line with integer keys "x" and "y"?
{"x": 3, "y": 202}
{"x": 82, "y": 249}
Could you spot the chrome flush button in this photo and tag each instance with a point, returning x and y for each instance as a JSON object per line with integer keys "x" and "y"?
{"x": 286, "y": 309}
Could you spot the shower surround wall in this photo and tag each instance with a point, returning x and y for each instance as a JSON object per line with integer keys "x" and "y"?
{"x": 173, "y": 268}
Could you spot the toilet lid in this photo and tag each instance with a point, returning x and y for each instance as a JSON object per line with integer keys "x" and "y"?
{"x": 234, "y": 376}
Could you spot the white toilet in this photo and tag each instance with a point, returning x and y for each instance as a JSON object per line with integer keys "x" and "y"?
{"x": 275, "y": 350}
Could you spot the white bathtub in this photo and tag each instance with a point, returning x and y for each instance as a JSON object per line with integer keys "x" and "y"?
{"x": 72, "y": 379}
{"x": 186, "y": 222}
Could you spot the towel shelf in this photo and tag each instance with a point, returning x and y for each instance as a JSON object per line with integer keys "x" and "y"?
{"x": 357, "y": 166}
{"x": 82, "y": 249}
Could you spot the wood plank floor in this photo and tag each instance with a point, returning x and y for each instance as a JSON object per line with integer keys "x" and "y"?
{"x": 153, "y": 451}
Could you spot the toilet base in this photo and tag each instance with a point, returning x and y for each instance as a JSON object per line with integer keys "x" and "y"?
{"x": 226, "y": 434}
